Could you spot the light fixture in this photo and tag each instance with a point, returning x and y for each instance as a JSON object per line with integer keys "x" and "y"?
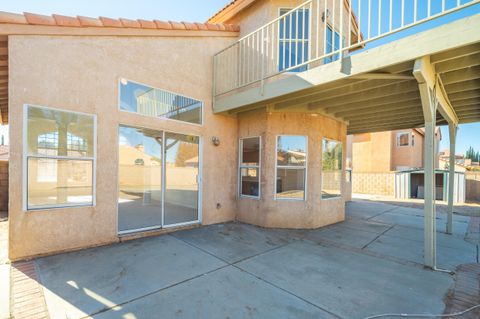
{"x": 215, "y": 141}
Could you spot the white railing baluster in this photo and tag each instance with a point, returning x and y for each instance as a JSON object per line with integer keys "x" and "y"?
{"x": 341, "y": 29}
{"x": 403, "y": 13}
{"x": 379, "y": 17}
{"x": 368, "y": 19}
{"x": 266, "y": 51}
{"x": 391, "y": 15}
{"x": 415, "y": 4}
{"x": 325, "y": 26}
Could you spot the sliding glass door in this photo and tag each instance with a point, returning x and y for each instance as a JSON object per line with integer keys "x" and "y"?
{"x": 158, "y": 179}
{"x": 181, "y": 178}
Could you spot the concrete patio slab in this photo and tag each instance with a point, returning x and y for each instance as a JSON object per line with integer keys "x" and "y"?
{"x": 233, "y": 242}
{"x": 366, "y": 209}
{"x": 81, "y": 283}
{"x": 342, "y": 235}
{"x": 349, "y": 284}
{"x": 226, "y": 293}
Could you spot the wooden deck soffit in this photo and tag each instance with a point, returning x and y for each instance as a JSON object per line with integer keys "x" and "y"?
{"x": 377, "y": 89}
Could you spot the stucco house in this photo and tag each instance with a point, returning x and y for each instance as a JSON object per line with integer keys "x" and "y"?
{"x": 128, "y": 128}
{"x": 390, "y": 151}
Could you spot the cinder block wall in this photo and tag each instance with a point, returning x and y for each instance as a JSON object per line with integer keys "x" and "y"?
{"x": 3, "y": 185}
{"x": 373, "y": 183}
{"x": 472, "y": 186}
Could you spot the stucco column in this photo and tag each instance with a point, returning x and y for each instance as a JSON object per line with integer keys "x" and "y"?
{"x": 452, "y": 129}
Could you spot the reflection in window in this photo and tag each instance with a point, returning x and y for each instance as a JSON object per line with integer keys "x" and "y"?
{"x": 149, "y": 101}
{"x": 293, "y": 40}
{"x": 291, "y": 167}
{"x": 60, "y": 158}
{"x": 250, "y": 167}
{"x": 331, "y": 168}
{"x": 403, "y": 139}
{"x": 140, "y": 178}
{"x": 333, "y": 44}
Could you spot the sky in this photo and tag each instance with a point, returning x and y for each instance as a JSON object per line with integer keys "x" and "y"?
{"x": 201, "y": 10}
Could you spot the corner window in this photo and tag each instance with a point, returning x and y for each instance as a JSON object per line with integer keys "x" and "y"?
{"x": 403, "y": 139}
{"x": 291, "y": 166}
{"x": 149, "y": 101}
{"x": 293, "y": 39}
{"x": 331, "y": 169}
{"x": 59, "y": 158}
{"x": 250, "y": 167}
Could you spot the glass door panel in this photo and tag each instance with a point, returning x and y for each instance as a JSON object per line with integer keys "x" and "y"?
{"x": 140, "y": 179}
{"x": 181, "y": 178}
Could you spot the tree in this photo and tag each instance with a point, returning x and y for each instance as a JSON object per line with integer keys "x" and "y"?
{"x": 471, "y": 154}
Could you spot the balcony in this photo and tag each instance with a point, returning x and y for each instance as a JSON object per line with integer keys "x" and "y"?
{"x": 316, "y": 43}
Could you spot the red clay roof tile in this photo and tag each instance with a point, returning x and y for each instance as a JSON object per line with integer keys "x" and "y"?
{"x": 33, "y": 18}
{"x": 66, "y": 21}
{"x": 163, "y": 25}
{"x": 89, "y": 22}
{"x": 146, "y": 24}
{"x": 127, "y": 23}
{"x": 81, "y": 21}
{"x": 109, "y": 22}
{"x": 7, "y": 17}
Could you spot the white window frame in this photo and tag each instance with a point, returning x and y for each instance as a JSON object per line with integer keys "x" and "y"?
{"x": 258, "y": 167}
{"x": 398, "y": 139}
{"x": 119, "y": 85}
{"x": 341, "y": 172}
{"x": 296, "y": 40}
{"x": 25, "y": 157}
{"x": 305, "y": 168}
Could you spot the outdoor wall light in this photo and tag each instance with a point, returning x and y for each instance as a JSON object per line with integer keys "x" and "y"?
{"x": 325, "y": 15}
{"x": 215, "y": 141}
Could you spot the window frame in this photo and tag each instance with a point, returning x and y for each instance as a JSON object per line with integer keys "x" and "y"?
{"x": 119, "y": 85}
{"x": 398, "y": 139}
{"x": 305, "y": 168}
{"x": 258, "y": 167}
{"x": 26, "y": 156}
{"x": 340, "y": 196}
{"x": 303, "y": 41}
{"x": 333, "y": 56}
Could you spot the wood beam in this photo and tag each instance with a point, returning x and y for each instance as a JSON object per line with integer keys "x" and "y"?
{"x": 462, "y": 86}
{"x": 383, "y": 76}
{"x": 380, "y": 128}
{"x": 402, "y": 97}
{"x": 425, "y": 74}
{"x": 468, "y": 74}
{"x": 414, "y": 118}
{"x": 343, "y": 90}
{"x": 373, "y": 109}
{"x": 464, "y": 95}
{"x": 455, "y": 53}
{"x": 384, "y": 114}
{"x": 376, "y": 93}
{"x": 458, "y": 63}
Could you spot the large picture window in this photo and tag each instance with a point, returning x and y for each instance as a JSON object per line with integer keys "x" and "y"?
{"x": 250, "y": 167}
{"x": 291, "y": 167}
{"x": 331, "y": 169}
{"x": 293, "y": 40}
{"x": 149, "y": 101}
{"x": 59, "y": 158}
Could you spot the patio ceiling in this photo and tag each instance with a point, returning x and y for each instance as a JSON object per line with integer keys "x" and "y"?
{"x": 376, "y": 89}
{"x": 3, "y": 80}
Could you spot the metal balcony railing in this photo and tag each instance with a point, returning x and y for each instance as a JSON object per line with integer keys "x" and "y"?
{"x": 318, "y": 32}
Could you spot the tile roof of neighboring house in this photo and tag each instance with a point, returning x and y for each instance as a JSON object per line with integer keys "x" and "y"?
{"x": 3, "y": 152}
{"x": 80, "y": 21}
{"x": 227, "y": 6}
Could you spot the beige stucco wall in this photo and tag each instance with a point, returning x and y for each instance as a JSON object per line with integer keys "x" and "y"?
{"x": 311, "y": 213}
{"x": 81, "y": 74}
{"x": 371, "y": 152}
{"x": 408, "y": 156}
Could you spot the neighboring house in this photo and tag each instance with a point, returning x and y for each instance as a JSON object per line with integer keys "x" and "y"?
{"x": 126, "y": 128}
{"x": 390, "y": 151}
